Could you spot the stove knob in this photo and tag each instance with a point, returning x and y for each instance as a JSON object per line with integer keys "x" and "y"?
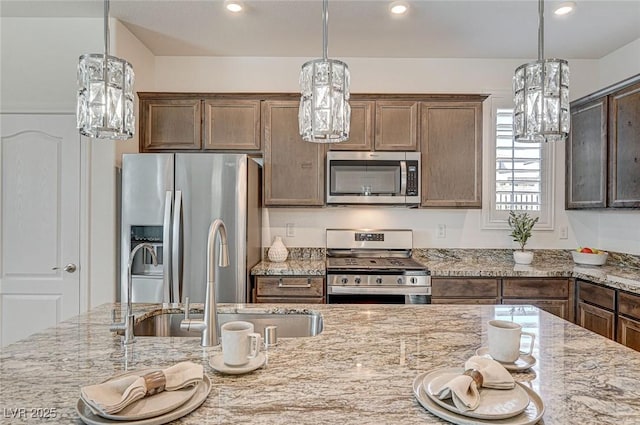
{"x": 344, "y": 280}
{"x": 379, "y": 280}
{"x": 400, "y": 281}
{"x": 413, "y": 280}
{"x": 358, "y": 280}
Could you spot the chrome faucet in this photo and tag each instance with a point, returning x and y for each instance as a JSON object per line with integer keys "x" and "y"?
{"x": 209, "y": 324}
{"x": 127, "y": 324}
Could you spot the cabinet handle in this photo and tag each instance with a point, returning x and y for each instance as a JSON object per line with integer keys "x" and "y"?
{"x": 282, "y": 285}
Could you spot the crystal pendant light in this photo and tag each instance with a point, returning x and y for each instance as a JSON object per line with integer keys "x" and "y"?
{"x": 541, "y": 95}
{"x": 324, "y": 115}
{"x": 105, "y": 93}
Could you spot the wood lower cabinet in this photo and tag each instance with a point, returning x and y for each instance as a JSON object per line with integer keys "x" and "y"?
{"x": 555, "y": 296}
{"x": 629, "y": 320}
{"x": 396, "y": 125}
{"x": 465, "y": 291}
{"x": 451, "y": 148}
{"x": 596, "y": 309}
{"x": 172, "y": 124}
{"x": 293, "y": 168}
{"x": 289, "y": 289}
{"x": 232, "y": 124}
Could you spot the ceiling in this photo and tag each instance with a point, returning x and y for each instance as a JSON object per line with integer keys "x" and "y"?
{"x": 360, "y": 28}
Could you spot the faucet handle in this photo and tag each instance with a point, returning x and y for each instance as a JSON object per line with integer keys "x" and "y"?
{"x": 186, "y": 308}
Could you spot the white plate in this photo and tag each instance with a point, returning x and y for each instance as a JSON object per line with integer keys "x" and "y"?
{"x": 524, "y": 362}
{"x": 149, "y": 407}
{"x": 530, "y": 416}
{"x": 200, "y": 395}
{"x": 494, "y": 404}
{"x": 218, "y": 364}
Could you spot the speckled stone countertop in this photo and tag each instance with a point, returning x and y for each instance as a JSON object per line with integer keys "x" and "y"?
{"x": 622, "y": 271}
{"x": 359, "y": 370}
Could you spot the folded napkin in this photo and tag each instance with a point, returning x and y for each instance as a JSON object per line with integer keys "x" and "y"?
{"x": 464, "y": 389}
{"x": 114, "y": 395}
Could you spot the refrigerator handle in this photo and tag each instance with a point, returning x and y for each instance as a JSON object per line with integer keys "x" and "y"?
{"x": 166, "y": 239}
{"x": 176, "y": 255}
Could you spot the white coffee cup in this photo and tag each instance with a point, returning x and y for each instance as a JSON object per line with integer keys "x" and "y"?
{"x": 239, "y": 343}
{"x": 504, "y": 341}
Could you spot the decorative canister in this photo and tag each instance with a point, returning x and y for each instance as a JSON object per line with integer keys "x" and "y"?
{"x": 278, "y": 252}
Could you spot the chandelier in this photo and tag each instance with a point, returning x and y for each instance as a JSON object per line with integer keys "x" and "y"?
{"x": 324, "y": 115}
{"x": 105, "y": 93}
{"x": 541, "y": 95}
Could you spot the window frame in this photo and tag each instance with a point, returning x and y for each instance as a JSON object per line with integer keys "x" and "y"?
{"x": 497, "y": 219}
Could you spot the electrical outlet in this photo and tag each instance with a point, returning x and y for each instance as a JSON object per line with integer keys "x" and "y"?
{"x": 442, "y": 230}
{"x": 291, "y": 230}
{"x": 564, "y": 232}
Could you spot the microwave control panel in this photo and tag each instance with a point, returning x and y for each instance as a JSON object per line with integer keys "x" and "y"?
{"x": 412, "y": 178}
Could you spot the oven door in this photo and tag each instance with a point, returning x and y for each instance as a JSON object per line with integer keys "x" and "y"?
{"x": 378, "y": 295}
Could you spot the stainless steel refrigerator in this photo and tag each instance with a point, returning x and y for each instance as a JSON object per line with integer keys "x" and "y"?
{"x": 169, "y": 200}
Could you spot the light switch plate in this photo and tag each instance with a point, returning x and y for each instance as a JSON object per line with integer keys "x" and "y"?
{"x": 564, "y": 232}
{"x": 291, "y": 230}
{"x": 442, "y": 230}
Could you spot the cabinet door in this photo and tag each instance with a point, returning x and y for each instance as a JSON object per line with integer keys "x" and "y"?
{"x": 629, "y": 332}
{"x": 624, "y": 147}
{"x": 597, "y": 295}
{"x": 465, "y": 288}
{"x": 361, "y": 132}
{"x": 586, "y": 152}
{"x": 290, "y": 287}
{"x": 170, "y": 124}
{"x": 293, "y": 168}
{"x": 560, "y": 308}
{"x": 232, "y": 124}
{"x": 451, "y": 146}
{"x": 596, "y": 319}
{"x": 396, "y": 125}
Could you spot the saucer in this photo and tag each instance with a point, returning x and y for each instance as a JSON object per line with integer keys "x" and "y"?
{"x": 524, "y": 362}
{"x": 217, "y": 363}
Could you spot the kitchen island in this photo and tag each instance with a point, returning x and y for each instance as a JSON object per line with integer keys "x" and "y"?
{"x": 359, "y": 370}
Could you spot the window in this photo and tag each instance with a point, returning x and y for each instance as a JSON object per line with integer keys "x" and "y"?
{"x": 520, "y": 175}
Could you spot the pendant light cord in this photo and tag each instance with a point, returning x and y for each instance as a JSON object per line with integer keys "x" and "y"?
{"x": 325, "y": 35}
{"x": 540, "y": 30}
{"x": 106, "y": 28}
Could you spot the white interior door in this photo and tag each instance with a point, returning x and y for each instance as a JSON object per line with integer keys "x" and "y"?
{"x": 40, "y": 232}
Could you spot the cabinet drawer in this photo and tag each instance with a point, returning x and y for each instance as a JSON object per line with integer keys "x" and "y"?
{"x": 464, "y": 301}
{"x": 290, "y": 287}
{"x": 535, "y": 288}
{"x": 629, "y": 305}
{"x": 290, "y": 300}
{"x": 596, "y": 319}
{"x": 560, "y": 308}
{"x": 597, "y": 295}
{"x": 443, "y": 288}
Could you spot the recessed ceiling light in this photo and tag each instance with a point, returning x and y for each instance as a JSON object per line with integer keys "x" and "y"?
{"x": 234, "y": 6}
{"x": 399, "y": 7}
{"x": 565, "y": 8}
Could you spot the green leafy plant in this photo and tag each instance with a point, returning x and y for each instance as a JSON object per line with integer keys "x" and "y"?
{"x": 521, "y": 225}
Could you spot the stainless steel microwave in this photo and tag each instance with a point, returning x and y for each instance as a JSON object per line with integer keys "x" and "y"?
{"x": 383, "y": 178}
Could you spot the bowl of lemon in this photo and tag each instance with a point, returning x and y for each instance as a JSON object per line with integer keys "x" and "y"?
{"x": 589, "y": 256}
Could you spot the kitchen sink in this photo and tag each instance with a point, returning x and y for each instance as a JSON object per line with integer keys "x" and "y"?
{"x": 293, "y": 325}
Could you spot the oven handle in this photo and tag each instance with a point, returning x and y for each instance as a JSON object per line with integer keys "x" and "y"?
{"x": 380, "y": 290}
{"x": 281, "y": 284}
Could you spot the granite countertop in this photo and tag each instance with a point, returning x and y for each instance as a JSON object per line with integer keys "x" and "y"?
{"x": 359, "y": 370}
{"x": 622, "y": 271}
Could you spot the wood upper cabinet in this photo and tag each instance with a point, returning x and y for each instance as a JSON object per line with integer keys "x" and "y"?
{"x": 396, "y": 125}
{"x": 554, "y": 295}
{"x": 586, "y": 152}
{"x": 596, "y": 309}
{"x": 451, "y": 147}
{"x": 361, "y": 127}
{"x": 169, "y": 124}
{"x": 603, "y": 149}
{"x": 293, "y": 168}
{"x": 624, "y": 147}
{"x": 232, "y": 124}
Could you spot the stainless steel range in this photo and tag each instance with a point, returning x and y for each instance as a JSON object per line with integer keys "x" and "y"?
{"x": 375, "y": 266}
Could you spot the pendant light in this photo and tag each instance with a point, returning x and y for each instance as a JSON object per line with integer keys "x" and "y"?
{"x": 105, "y": 93}
{"x": 324, "y": 115}
{"x": 541, "y": 95}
